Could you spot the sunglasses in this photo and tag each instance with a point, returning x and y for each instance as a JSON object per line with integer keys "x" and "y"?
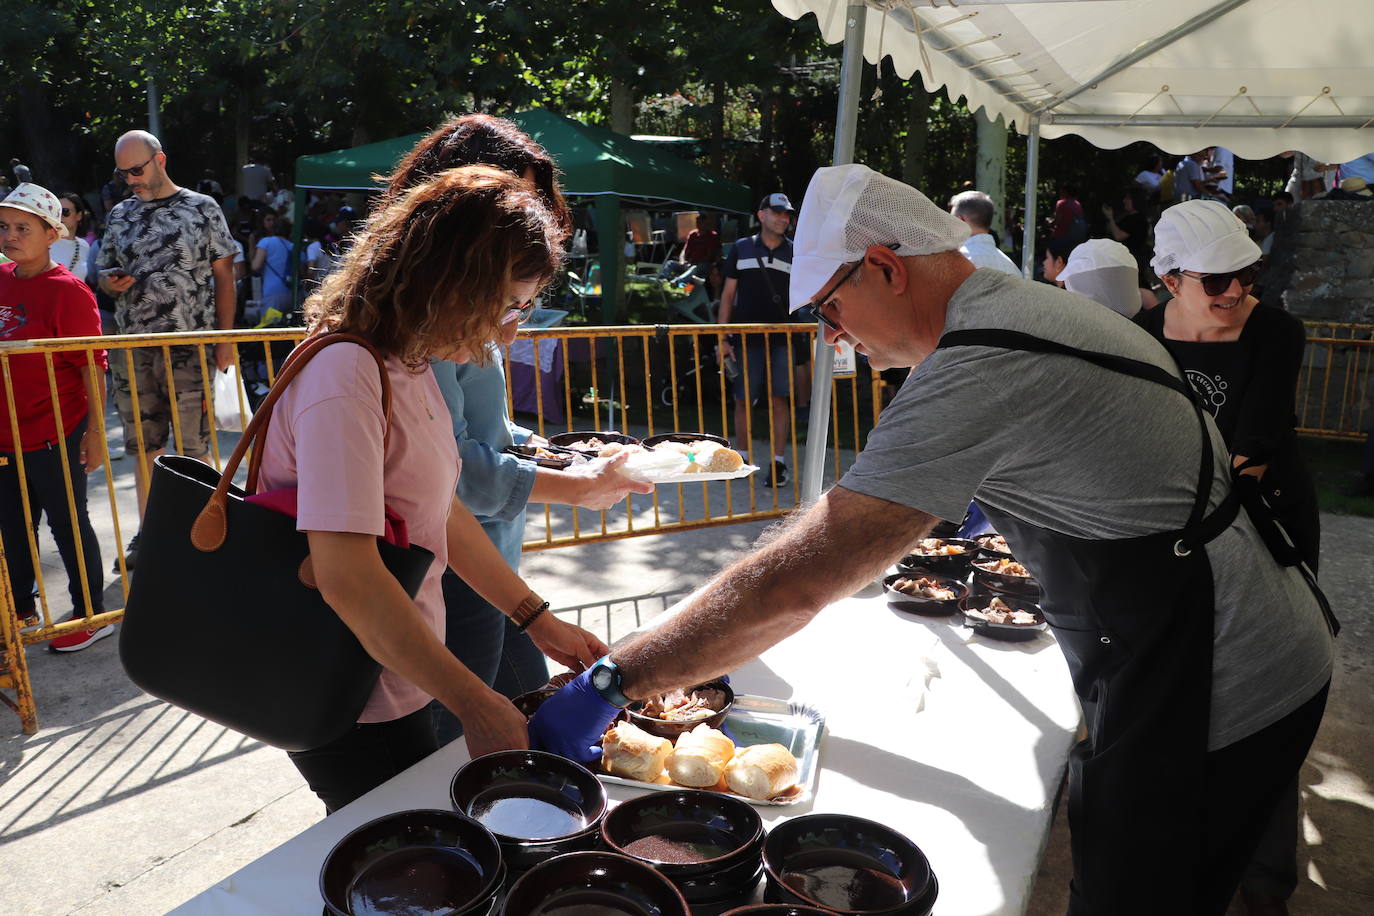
{"x": 520, "y": 313}
{"x": 136, "y": 171}
{"x": 813, "y": 310}
{"x": 1218, "y": 284}
{"x": 66, "y": 211}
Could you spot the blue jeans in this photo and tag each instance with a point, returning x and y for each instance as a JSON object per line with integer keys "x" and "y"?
{"x": 488, "y": 643}
{"x": 47, "y": 491}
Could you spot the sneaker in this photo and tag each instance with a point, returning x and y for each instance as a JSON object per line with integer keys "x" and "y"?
{"x": 130, "y": 554}
{"x": 779, "y": 476}
{"x": 75, "y": 642}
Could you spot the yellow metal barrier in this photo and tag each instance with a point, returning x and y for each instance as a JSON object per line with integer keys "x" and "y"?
{"x": 641, "y": 380}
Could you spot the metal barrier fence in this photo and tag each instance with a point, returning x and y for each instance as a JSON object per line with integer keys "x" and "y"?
{"x": 639, "y": 380}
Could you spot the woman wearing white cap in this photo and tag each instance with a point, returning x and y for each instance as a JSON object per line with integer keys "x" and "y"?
{"x": 1243, "y": 360}
{"x": 39, "y": 299}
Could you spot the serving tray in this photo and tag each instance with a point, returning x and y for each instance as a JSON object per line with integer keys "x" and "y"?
{"x": 798, "y": 727}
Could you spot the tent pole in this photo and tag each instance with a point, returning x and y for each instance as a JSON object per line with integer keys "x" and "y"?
{"x": 846, "y": 122}
{"x": 1032, "y": 180}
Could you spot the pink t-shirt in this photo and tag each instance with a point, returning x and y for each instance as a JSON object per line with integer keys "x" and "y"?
{"x": 329, "y": 423}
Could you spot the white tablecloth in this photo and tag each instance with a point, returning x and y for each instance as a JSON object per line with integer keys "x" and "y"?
{"x": 967, "y": 766}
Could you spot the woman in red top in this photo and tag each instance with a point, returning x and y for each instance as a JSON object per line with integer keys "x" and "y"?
{"x": 40, "y": 299}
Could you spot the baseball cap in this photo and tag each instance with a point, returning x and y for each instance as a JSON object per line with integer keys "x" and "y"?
{"x": 39, "y": 201}
{"x": 1202, "y": 236}
{"x": 847, "y": 208}
{"x": 776, "y": 200}
{"x": 345, "y": 212}
{"x": 1106, "y": 272}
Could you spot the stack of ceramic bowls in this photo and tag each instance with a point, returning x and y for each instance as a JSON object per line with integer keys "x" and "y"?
{"x": 421, "y": 861}
{"x": 709, "y": 845}
{"x": 600, "y": 883}
{"x": 538, "y": 805}
{"x": 847, "y": 865}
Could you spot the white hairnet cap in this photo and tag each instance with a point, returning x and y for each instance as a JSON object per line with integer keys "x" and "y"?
{"x": 1202, "y": 236}
{"x": 847, "y": 208}
{"x": 1106, "y": 272}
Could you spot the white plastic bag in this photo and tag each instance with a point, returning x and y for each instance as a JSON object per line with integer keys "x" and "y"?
{"x": 227, "y": 395}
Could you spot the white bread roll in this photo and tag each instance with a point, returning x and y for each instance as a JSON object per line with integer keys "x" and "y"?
{"x": 725, "y": 461}
{"x": 700, "y": 757}
{"x": 629, "y": 751}
{"x": 762, "y": 771}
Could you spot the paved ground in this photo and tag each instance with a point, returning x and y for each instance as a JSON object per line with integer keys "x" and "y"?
{"x": 123, "y": 805}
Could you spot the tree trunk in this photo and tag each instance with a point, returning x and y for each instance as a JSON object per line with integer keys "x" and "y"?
{"x": 622, "y": 106}
{"x": 47, "y": 146}
{"x": 717, "y": 159}
{"x": 917, "y": 133}
{"x": 990, "y": 166}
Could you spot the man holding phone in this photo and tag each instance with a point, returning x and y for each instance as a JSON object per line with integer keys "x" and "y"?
{"x": 161, "y": 250}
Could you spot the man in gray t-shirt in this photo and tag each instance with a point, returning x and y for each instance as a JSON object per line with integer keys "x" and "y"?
{"x": 1201, "y": 663}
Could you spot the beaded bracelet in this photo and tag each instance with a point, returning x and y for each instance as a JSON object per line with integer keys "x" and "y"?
{"x": 533, "y": 617}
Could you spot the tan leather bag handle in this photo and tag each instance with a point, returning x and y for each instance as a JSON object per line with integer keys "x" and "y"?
{"x": 212, "y": 525}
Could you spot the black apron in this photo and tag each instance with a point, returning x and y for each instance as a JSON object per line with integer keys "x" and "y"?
{"x": 1134, "y": 617}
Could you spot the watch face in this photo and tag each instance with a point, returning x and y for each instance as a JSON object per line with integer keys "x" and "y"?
{"x": 602, "y": 678}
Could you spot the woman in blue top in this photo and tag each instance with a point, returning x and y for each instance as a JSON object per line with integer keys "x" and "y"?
{"x": 272, "y": 260}
{"x": 494, "y": 485}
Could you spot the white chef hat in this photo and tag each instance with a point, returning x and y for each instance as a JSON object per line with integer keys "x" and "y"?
{"x": 1104, "y": 271}
{"x": 1202, "y": 236}
{"x": 847, "y": 208}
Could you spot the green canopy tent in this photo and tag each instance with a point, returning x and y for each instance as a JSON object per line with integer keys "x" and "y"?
{"x": 599, "y": 166}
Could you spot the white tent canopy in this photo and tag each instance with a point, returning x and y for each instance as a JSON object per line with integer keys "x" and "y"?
{"x": 1256, "y": 76}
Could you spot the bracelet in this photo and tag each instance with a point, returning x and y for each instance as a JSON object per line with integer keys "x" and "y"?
{"x": 527, "y": 610}
{"x": 533, "y": 617}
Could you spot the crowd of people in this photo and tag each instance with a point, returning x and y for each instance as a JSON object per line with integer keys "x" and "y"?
{"x": 1115, "y": 456}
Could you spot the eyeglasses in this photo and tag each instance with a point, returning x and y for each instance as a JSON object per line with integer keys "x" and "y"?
{"x": 813, "y": 310}
{"x": 1218, "y": 284}
{"x": 136, "y": 171}
{"x": 520, "y": 313}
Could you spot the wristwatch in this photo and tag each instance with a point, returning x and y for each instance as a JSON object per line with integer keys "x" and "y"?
{"x": 607, "y": 679}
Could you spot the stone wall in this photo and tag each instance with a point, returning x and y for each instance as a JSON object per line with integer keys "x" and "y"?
{"x": 1322, "y": 262}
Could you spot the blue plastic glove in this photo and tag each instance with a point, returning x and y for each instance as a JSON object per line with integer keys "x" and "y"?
{"x": 571, "y": 722}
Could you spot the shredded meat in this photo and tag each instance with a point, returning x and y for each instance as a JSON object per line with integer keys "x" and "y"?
{"x": 1001, "y": 612}
{"x": 1004, "y": 567}
{"x": 936, "y": 547}
{"x": 995, "y": 542}
{"x": 678, "y": 706}
{"x": 924, "y": 588}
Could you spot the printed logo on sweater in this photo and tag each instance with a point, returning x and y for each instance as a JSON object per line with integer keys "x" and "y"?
{"x": 12, "y": 318}
{"x": 1211, "y": 388}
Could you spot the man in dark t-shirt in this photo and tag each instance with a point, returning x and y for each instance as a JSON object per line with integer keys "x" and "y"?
{"x": 757, "y": 273}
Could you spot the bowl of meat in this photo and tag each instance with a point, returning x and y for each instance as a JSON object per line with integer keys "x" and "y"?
{"x": 924, "y": 593}
{"x": 1002, "y": 617}
{"x": 993, "y": 545}
{"x": 1004, "y": 576}
{"x": 685, "y": 439}
{"x": 604, "y": 443}
{"x": 942, "y": 556}
{"x": 683, "y": 710}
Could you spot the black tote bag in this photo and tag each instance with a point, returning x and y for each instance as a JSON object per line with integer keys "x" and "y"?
{"x": 223, "y": 618}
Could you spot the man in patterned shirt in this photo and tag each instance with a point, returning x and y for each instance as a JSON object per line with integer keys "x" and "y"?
{"x": 161, "y": 250}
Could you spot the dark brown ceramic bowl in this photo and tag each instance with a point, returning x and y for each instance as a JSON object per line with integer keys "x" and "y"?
{"x": 777, "y": 909}
{"x": 445, "y": 862}
{"x": 594, "y": 882}
{"x": 686, "y": 439}
{"x": 987, "y": 551}
{"x": 670, "y": 730}
{"x": 845, "y": 864}
{"x": 1010, "y": 632}
{"x": 529, "y": 703}
{"x": 944, "y": 529}
{"x": 562, "y": 457}
{"x": 685, "y": 833}
{"x": 780, "y": 895}
{"x": 1003, "y": 583}
{"x": 955, "y": 566}
{"x": 566, "y": 440}
{"x": 925, "y": 607}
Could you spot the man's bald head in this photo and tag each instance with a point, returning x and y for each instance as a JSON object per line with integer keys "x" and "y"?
{"x": 138, "y": 137}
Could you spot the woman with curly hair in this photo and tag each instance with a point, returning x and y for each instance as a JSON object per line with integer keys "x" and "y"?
{"x": 497, "y": 486}
{"x": 437, "y": 273}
